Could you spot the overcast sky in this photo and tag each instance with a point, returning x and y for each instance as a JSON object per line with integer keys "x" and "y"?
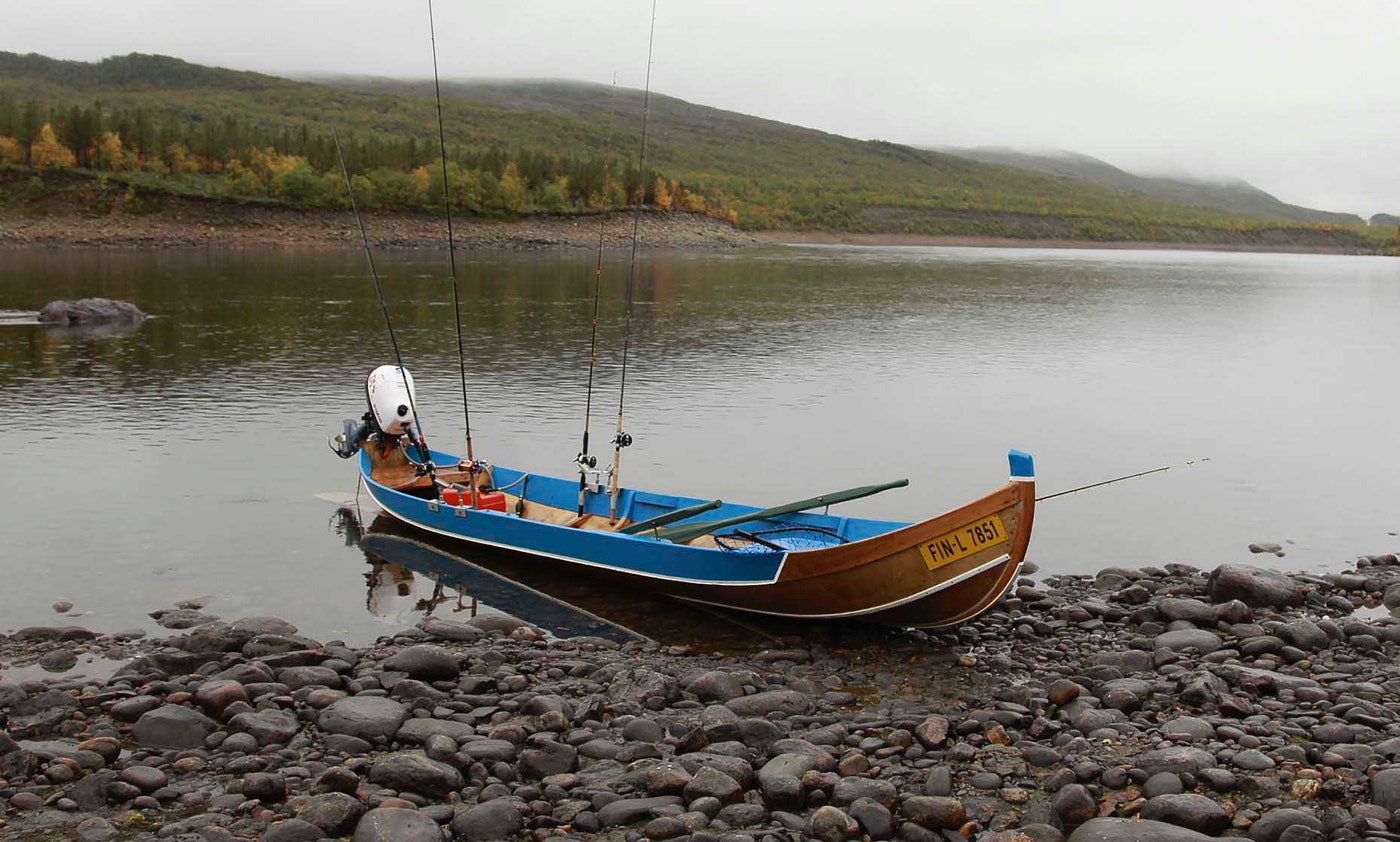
{"x": 1299, "y": 98}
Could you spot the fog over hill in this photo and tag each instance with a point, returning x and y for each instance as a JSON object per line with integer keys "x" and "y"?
{"x": 1231, "y": 194}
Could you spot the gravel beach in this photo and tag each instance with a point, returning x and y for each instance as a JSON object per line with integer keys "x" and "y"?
{"x": 1174, "y": 705}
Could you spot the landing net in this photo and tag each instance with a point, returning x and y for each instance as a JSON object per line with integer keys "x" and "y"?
{"x": 785, "y": 539}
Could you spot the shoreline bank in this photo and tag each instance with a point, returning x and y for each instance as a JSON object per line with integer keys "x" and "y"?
{"x": 203, "y": 225}
{"x": 1137, "y": 704}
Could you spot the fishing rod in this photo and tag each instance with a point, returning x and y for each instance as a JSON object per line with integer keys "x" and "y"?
{"x": 586, "y": 462}
{"x": 452, "y": 261}
{"x": 622, "y": 439}
{"x": 416, "y": 434}
{"x": 1120, "y": 479}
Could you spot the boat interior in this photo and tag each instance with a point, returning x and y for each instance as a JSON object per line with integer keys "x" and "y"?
{"x": 553, "y": 500}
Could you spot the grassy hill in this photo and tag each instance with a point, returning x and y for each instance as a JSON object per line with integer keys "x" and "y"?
{"x": 761, "y": 173}
{"x": 1235, "y": 195}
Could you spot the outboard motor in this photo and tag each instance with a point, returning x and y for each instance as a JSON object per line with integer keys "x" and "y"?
{"x": 390, "y": 394}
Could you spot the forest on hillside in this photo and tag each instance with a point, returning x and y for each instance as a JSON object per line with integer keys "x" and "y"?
{"x": 162, "y": 124}
{"x": 241, "y": 159}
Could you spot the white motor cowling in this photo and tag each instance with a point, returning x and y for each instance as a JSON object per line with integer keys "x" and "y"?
{"x": 391, "y": 398}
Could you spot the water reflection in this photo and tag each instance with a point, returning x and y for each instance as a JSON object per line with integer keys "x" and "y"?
{"x": 186, "y": 457}
{"x": 90, "y": 332}
{"x": 413, "y": 575}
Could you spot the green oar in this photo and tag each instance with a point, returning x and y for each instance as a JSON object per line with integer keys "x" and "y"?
{"x": 670, "y": 517}
{"x": 688, "y": 531}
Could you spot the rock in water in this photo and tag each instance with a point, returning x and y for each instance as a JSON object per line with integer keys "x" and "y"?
{"x": 91, "y": 311}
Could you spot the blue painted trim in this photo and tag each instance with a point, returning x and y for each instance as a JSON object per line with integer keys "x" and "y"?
{"x": 1022, "y": 465}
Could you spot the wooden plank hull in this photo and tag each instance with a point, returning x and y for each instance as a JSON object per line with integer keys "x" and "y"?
{"x": 935, "y": 572}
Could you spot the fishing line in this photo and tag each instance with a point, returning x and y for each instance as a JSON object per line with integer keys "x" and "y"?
{"x": 418, "y": 442}
{"x": 622, "y": 440}
{"x": 1120, "y": 479}
{"x": 452, "y": 259}
{"x": 583, "y": 459}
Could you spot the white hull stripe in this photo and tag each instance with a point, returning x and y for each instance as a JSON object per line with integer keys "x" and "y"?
{"x": 982, "y": 568}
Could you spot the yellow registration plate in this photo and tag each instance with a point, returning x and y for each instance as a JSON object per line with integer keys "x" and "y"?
{"x": 963, "y": 542}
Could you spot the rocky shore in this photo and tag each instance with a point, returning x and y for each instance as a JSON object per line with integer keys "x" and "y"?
{"x": 1172, "y": 704}
{"x": 189, "y": 223}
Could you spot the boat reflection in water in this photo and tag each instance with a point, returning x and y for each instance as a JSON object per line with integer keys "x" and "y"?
{"x": 411, "y": 575}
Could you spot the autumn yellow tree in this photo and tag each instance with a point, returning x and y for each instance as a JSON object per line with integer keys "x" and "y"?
{"x": 47, "y": 152}
{"x": 110, "y": 154}
{"x": 510, "y": 191}
{"x": 661, "y": 194}
{"x": 10, "y": 151}
{"x": 181, "y": 160}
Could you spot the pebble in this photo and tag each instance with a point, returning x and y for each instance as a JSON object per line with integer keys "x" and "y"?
{"x": 1193, "y": 702}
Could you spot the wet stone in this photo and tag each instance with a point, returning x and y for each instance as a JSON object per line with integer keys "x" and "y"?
{"x": 830, "y": 824}
{"x": 267, "y": 787}
{"x": 487, "y": 821}
{"x": 268, "y": 726}
{"x": 1134, "y": 830}
{"x": 96, "y": 829}
{"x": 934, "y": 812}
{"x": 1074, "y": 805}
{"x": 172, "y": 726}
{"x": 1272, "y": 825}
{"x": 416, "y": 773}
{"x": 145, "y": 778}
{"x": 1184, "y": 640}
{"x": 1187, "y": 810}
{"x": 425, "y": 662}
{"x": 1252, "y": 760}
{"x": 292, "y": 830}
{"x": 396, "y": 824}
{"x": 850, "y": 790}
{"x": 334, "y": 813}
{"x": 632, "y": 810}
{"x": 1254, "y": 586}
{"x": 366, "y": 717}
{"x": 1175, "y": 759}
{"x": 709, "y": 782}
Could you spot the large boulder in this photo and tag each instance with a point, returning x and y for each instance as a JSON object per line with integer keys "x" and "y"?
{"x": 1385, "y": 789}
{"x": 498, "y": 818}
{"x": 365, "y": 717}
{"x": 172, "y": 726}
{"x": 416, "y": 773}
{"x": 1254, "y": 586}
{"x": 1187, "y": 809}
{"x": 1134, "y": 830}
{"x": 425, "y": 662}
{"x": 396, "y": 824}
{"x": 268, "y": 726}
{"x": 91, "y": 311}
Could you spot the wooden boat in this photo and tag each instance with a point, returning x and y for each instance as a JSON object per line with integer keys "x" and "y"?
{"x": 783, "y": 561}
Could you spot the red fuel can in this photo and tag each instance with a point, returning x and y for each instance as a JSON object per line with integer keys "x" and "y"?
{"x": 493, "y": 500}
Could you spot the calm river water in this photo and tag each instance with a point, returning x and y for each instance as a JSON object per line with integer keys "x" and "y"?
{"x": 185, "y": 459}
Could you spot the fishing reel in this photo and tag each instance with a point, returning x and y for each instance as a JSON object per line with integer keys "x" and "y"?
{"x": 590, "y": 476}
{"x": 622, "y": 440}
{"x": 474, "y": 466}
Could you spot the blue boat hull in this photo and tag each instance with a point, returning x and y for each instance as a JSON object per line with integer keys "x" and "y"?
{"x": 881, "y": 571}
